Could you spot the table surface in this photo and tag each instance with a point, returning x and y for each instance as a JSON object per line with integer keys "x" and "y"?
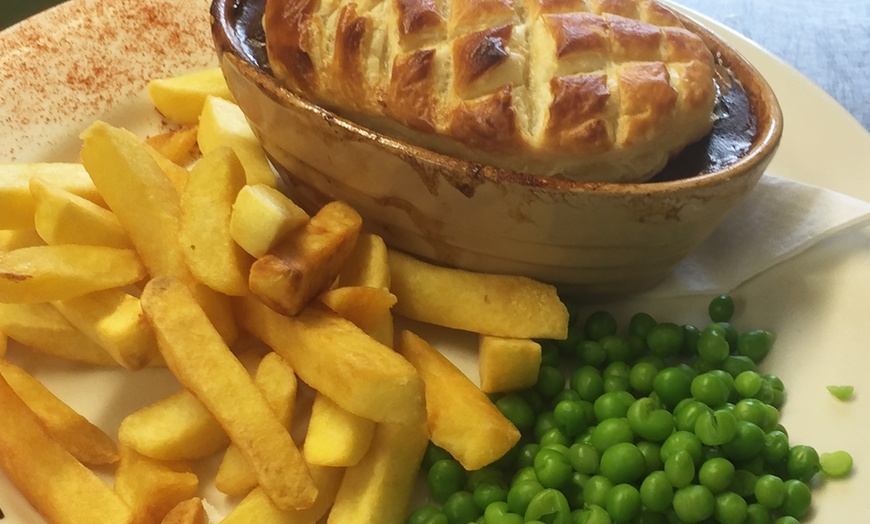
{"x": 827, "y": 42}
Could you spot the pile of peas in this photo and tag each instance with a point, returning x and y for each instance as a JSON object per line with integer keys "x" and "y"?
{"x": 667, "y": 424}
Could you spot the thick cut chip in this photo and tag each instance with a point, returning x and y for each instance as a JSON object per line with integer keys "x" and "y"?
{"x": 277, "y": 381}
{"x": 152, "y": 488}
{"x": 222, "y": 124}
{"x": 42, "y": 328}
{"x": 148, "y": 206}
{"x": 45, "y": 273}
{"x": 62, "y": 217}
{"x": 338, "y": 359}
{"x": 85, "y": 441}
{"x": 60, "y": 488}
{"x": 4, "y": 344}
{"x": 367, "y": 307}
{"x": 367, "y": 264}
{"x": 190, "y": 511}
{"x": 307, "y": 261}
{"x": 177, "y": 145}
{"x": 508, "y": 364}
{"x": 262, "y": 216}
{"x": 206, "y": 206}
{"x": 174, "y": 172}
{"x": 114, "y": 320}
{"x": 197, "y": 356}
{"x": 504, "y": 306}
{"x": 16, "y": 201}
{"x": 181, "y": 98}
{"x": 336, "y": 437}
{"x": 17, "y": 238}
{"x": 177, "y": 427}
{"x": 462, "y": 420}
{"x": 142, "y": 197}
{"x": 257, "y": 507}
{"x": 379, "y": 487}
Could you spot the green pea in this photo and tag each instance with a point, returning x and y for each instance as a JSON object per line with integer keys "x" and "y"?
{"x": 445, "y": 478}
{"x": 544, "y": 423}
{"x": 679, "y": 469}
{"x": 550, "y": 351}
{"x": 460, "y": 508}
{"x": 499, "y": 513}
{"x": 595, "y": 490}
{"x": 666, "y": 339}
{"x": 731, "y": 334}
{"x": 747, "y": 442}
{"x": 523, "y": 474}
{"x": 584, "y": 458}
{"x": 797, "y": 500}
{"x": 552, "y": 468}
{"x": 640, "y": 324}
{"x": 673, "y": 384}
{"x": 433, "y": 454}
{"x": 613, "y": 404}
{"x": 656, "y": 491}
{"x": 648, "y": 421}
{"x": 836, "y": 465}
{"x": 549, "y": 505}
{"x": 691, "y": 334}
{"x": 747, "y": 383}
{"x": 686, "y": 414}
{"x": 554, "y": 436}
{"x": 623, "y": 502}
{"x": 616, "y": 376}
{"x": 588, "y": 382}
{"x": 802, "y": 462}
{"x": 770, "y": 491}
{"x": 712, "y": 345}
{"x": 616, "y": 348}
{"x": 843, "y": 393}
{"x": 776, "y": 446}
{"x": 518, "y": 411}
{"x": 758, "y": 514}
{"x": 567, "y": 394}
{"x": 622, "y": 463}
{"x": 786, "y": 519}
{"x": 611, "y": 431}
{"x": 570, "y": 417}
{"x": 734, "y": 365}
{"x": 600, "y": 324}
{"x": 592, "y": 353}
{"x": 651, "y": 517}
{"x": 593, "y": 514}
{"x": 721, "y": 308}
{"x": 527, "y": 454}
{"x": 573, "y": 490}
{"x": 642, "y": 377}
{"x": 716, "y": 474}
{"x": 486, "y": 494}
{"x": 755, "y": 344}
{"x": 652, "y": 455}
{"x": 427, "y": 515}
{"x": 683, "y": 441}
{"x": 730, "y": 508}
{"x": 744, "y": 482}
{"x": 550, "y": 381}
{"x": 694, "y": 504}
{"x": 520, "y": 495}
{"x": 751, "y": 410}
{"x": 717, "y": 428}
{"x": 710, "y": 389}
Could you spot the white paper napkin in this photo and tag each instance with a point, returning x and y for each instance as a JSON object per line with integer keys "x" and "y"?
{"x": 777, "y": 220}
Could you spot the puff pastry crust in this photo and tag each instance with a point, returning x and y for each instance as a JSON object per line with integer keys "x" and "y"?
{"x": 598, "y": 90}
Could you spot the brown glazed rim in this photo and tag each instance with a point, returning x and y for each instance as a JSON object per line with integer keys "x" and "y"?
{"x": 764, "y": 105}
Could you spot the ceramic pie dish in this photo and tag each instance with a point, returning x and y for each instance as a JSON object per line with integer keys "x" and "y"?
{"x": 588, "y": 238}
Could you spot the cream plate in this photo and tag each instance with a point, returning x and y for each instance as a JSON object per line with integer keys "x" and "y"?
{"x": 90, "y": 59}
